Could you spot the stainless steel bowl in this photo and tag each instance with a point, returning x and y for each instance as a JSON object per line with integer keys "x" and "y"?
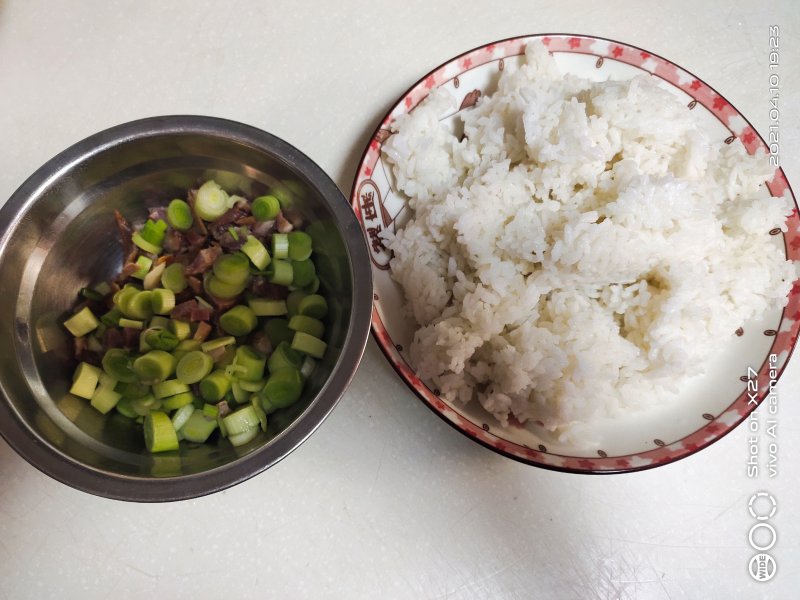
{"x": 57, "y": 235}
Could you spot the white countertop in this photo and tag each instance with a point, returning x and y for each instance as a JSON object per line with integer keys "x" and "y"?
{"x": 384, "y": 500}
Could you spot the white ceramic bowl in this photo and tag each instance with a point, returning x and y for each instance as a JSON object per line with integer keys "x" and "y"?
{"x": 712, "y": 404}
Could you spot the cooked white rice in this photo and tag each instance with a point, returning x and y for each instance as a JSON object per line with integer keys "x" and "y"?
{"x": 583, "y": 250}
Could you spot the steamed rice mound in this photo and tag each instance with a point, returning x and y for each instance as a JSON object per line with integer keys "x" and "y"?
{"x": 583, "y": 250}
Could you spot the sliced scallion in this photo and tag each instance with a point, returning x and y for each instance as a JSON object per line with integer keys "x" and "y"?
{"x": 179, "y": 215}
{"x": 280, "y": 245}
{"x": 142, "y": 243}
{"x": 214, "y": 386}
{"x": 177, "y": 401}
{"x": 250, "y": 363}
{"x": 162, "y": 301}
{"x": 314, "y": 306}
{"x": 198, "y": 427}
{"x": 266, "y": 307}
{"x": 155, "y": 366}
{"x": 82, "y": 322}
{"x": 159, "y": 433}
{"x": 170, "y": 387}
{"x": 240, "y": 439}
{"x": 299, "y": 245}
{"x": 256, "y": 252}
{"x": 220, "y": 342}
{"x": 233, "y": 269}
{"x": 265, "y": 208}
{"x": 144, "y": 267}
{"x": 211, "y": 201}
{"x": 238, "y": 321}
{"x": 85, "y": 380}
{"x": 308, "y": 344}
{"x": 194, "y": 366}
{"x": 173, "y": 278}
{"x": 280, "y": 272}
{"x": 283, "y": 387}
{"x": 303, "y": 273}
{"x": 283, "y": 357}
{"x": 119, "y": 365}
{"x": 181, "y": 416}
{"x": 309, "y": 325}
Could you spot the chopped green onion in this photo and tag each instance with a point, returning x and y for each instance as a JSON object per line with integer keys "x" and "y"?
{"x": 162, "y": 301}
{"x": 239, "y": 393}
{"x": 181, "y": 416}
{"x": 265, "y": 208}
{"x": 144, "y": 267}
{"x": 211, "y": 410}
{"x": 278, "y": 331}
{"x": 284, "y": 357}
{"x": 159, "y": 322}
{"x": 184, "y": 347}
{"x": 85, "y": 380}
{"x": 161, "y": 339}
{"x": 154, "y": 231}
{"x": 153, "y": 278}
{"x": 264, "y": 307}
{"x": 173, "y": 278}
{"x": 280, "y": 245}
{"x": 250, "y": 363}
{"x": 238, "y": 321}
{"x": 179, "y": 215}
{"x": 125, "y": 409}
{"x": 251, "y": 386}
{"x": 142, "y": 406}
{"x": 105, "y": 398}
{"x": 240, "y": 439}
{"x": 299, "y": 245}
{"x": 226, "y": 358}
{"x": 194, "y": 366}
{"x": 181, "y": 329}
{"x": 170, "y": 387}
{"x": 256, "y": 252}
{"x": 155, "y": 366}
{"x": 142, "y": 243}
{"x": 280, "y": 272}
{"x": 293, "y": 302}
{"x": 283, "y": 388}
{"x": 303, "y": 273}
{"x": 309, "y": 325}
{"x": 177, "y": 401}
{"x": 139, "y": 305}
{"x": 233, "y": 233}
{"x": 241, "y": 420}
{"x": 132, "y": 389}
{"x": 233, "y": 269}
{"x": 308, "y": 344}
{"x": 131, "y": 323}
{"x": 91, "y": 294}
{"x": 198, "y": 427}
{"x": 211, "y": 201}
{"x": 159, "y": 433}
{"x": 214, "y": 386}
{"x": 123, "y": 296}
{"x": 119, "y": 365}
{"x": 217, "y": 343}
{"x": 308, "y": 366}
{"x": 314, "y": 306}
{"x": 220, "y": 289}
{"x": 82, "y": 322}
{"x": 111, "y": 318}
{"x": 262, "y": 416}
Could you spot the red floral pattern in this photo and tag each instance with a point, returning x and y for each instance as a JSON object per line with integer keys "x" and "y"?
{"x": 702, "y": 94}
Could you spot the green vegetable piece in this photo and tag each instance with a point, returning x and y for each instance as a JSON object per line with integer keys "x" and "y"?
{"x": 299, "y": 245}
{"x": 284, "y": 357}
{"x": 155, "y": 366}
{"x": 238, "y": 321}
{"x": 249, "y": 363}
{"x": 173, "y": 278}
{"x": 159, "y": 322}
{"x": 314, "y": 306}
{"x": 308, "y": 344}
{"x": 280, "y": 272}
{"x": 82, "y": 322}
{"x": 182, "y": 415}
{"x": 211, "y": 410}
{"x": 309, "y": 325}
{"x": 262, "y": 416}
{"x": 181, "y": 329}
{"x": 142, "y": 243}
{"x": 105, "y": 398}
{"x": 161, "y": 339}
{"x": 177, "y": 401}
{"x": 211, "y": 201}
{"x": 139, "y": 305}
{"x": 303, "y": 273}
{"x": 162, "y": 301}
{"x": 282, "y": 389}
{"x": 125, "y": 409}
{"x": 278, "y": 331}
{"x": 250, "y": 386}
{"x": 132, "y": 390}
{"x": 184, "y": 347}
{"x": 256, "y": 252}
{"x": 240, "y": 439}
{"x": 85, "y": 380}
{"x": 219, "y": 289}
{"x": 264, "y": 307}
{"x": 119, "y": 365}
{"x": 111, "y": 318}
{"x": 198, "y": 427}
{"x": 214, "y": 387}
{"x": 233, "y": 269}
{"x": 168, "y": 388}
{"x": 241, "y": 420}
{"x": 179, "y": 215}
{"x": 154, "y": 231}
{"x": 265, "y": 208}
{"x": 293, "y": 302}
{"x": 123, "y": 296}
{"x": 159, "y": 433}
{"x": 145, "y": 264}
{"x": 145, "y": 404}
{"x": 131, "y": 323}
{"x": 194, "y": 366}
{"x": 280, "y": 245}
{"x": 313, "y": 287}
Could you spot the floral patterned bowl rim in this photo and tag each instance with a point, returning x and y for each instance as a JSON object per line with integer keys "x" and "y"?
{"x": 714, "y": 427}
